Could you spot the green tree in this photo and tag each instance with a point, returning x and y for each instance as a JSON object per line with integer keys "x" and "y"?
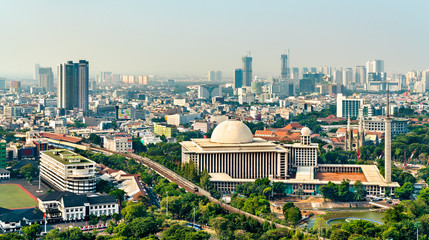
{"x": 142, "y": 227}
{"x": 424, "y": 195}
{"x": 279, "y": 188}
{"x": 118, "y": 193}
{"x": 32, "y": 232}
{"x": 360, "y": 191}
{"x": 95, "y": 139}
{"x": 339, "y": 234}
{"x": 221, "y": 226}
{"x": 103, "y": 218}
{"x": 293, "y": 215}
{"x": 329, "y": 191}
{"x": 205, "y": 179}
{"x": 133, "y": 210}
{"x": 28, "y": 170}
{"x": 138, "y": 145}
{"x": 424, "y": 220}
{"x": 93, "y": 220}
{"x": 11, "y": 236}
{"x": 116, "y": 217}
{"x": 405, "y": 191}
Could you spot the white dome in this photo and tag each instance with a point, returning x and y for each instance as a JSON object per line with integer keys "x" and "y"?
{"x": 305, "y": 131}
{"x": 232, "y": 131}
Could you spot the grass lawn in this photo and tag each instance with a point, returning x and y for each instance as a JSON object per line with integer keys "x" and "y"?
{"x": 12, "y": 196}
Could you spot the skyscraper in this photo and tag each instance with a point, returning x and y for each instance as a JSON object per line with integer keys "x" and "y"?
{"x": 219, "y": 76}
{"x": 337, "y": 76}
{"x": 425, "y": 78}
{"x": 295, "y": 74}
{"x": 73, "y": 85}
{"x": 46, "y": 79}
{"x": 284, "y": 66}
{"x": 348, "y": 78}
{"x": 83, "y": 84}
{"x": 212, "y": 76}
{"x": 360, "y": 75}
{"x": 304, "y": 70}
{"x": 375, "y": 65}
{"x": 247, "y": 70}
{"x": 36, "y": 72}
{"x": 238, "y": 78}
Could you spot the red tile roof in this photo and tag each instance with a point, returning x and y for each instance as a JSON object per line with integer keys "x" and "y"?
{"x": 293, "y": 125}
{"x": 62, "y": 137}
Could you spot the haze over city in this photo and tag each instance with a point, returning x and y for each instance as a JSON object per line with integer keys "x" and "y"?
{"x": 214, "y": 120}
{"x": 191, "y": 37}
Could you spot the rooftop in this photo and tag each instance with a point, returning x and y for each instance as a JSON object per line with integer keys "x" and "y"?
{"x": 205, "y": 145}
{"x": 66, "y": 157}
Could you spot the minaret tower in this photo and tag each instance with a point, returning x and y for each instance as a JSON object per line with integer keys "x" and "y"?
{"x": 361, "y": 134}
{"x": 387, "y": 143}
{"x": 349, "y": 137}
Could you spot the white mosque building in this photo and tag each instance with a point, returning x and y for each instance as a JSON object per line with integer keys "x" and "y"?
{"x": 233, "y": 156}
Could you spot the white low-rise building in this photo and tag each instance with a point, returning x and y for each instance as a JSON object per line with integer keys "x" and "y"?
{"x": 67, "y": 206}
{"x": 4, "y": 174}
{"x": 118, "y": 142}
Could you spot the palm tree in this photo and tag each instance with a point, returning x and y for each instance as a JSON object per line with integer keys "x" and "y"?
{"x": 299, "y": 192}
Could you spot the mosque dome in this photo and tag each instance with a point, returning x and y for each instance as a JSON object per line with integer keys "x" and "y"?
{"x": 232, "y": 131}
{"x": 305, "y": 131}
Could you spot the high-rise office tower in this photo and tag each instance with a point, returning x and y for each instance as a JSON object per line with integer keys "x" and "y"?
{"x": 348, "y": 78}
{"x": 425, "y": 78}
{"x": 327, "y": 70}
{"x": 247, "y": 70}
{"x": 65, "y": 85}
{"x": 238, "y": 78}
{"x": 46, "y": 79}
{"x": 284, "y": 66}
{"x": 2, "y": 83}
{"x": 212, "y": 76}
{"x": 360, "y": 75}
{"x": 219, "y": 76}
{"x": 304, "y": 70}
{"x": 83, "y": 84}
{"x": 337, "y": 76}
{"x": 73, "y": 85}
{"x": 295, "y": 74}
{"x": 375, "y": 65}
{"x": 36, "y": 72}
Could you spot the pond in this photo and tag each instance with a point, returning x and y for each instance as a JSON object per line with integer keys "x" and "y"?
{"x": 376, "y": 216}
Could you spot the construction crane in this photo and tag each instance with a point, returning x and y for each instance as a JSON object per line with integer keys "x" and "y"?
{"x": 409, "y": 159}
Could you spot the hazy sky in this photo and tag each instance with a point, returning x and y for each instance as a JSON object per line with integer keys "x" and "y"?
{"x": 192, "y": 37}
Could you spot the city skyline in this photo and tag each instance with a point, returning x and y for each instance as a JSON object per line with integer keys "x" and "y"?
{"x": 170, "y": 40}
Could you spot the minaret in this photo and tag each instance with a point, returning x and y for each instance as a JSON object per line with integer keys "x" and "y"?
{"x": 387, "y": 143}
{"x": 361, "y": 134}
{"x": 349, "y": 137}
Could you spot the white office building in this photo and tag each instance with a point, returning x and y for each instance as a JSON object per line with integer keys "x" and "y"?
{"x": 65, "y": 170}
{"x": 348, "y": 107}
{"x": 118, "y": 142}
